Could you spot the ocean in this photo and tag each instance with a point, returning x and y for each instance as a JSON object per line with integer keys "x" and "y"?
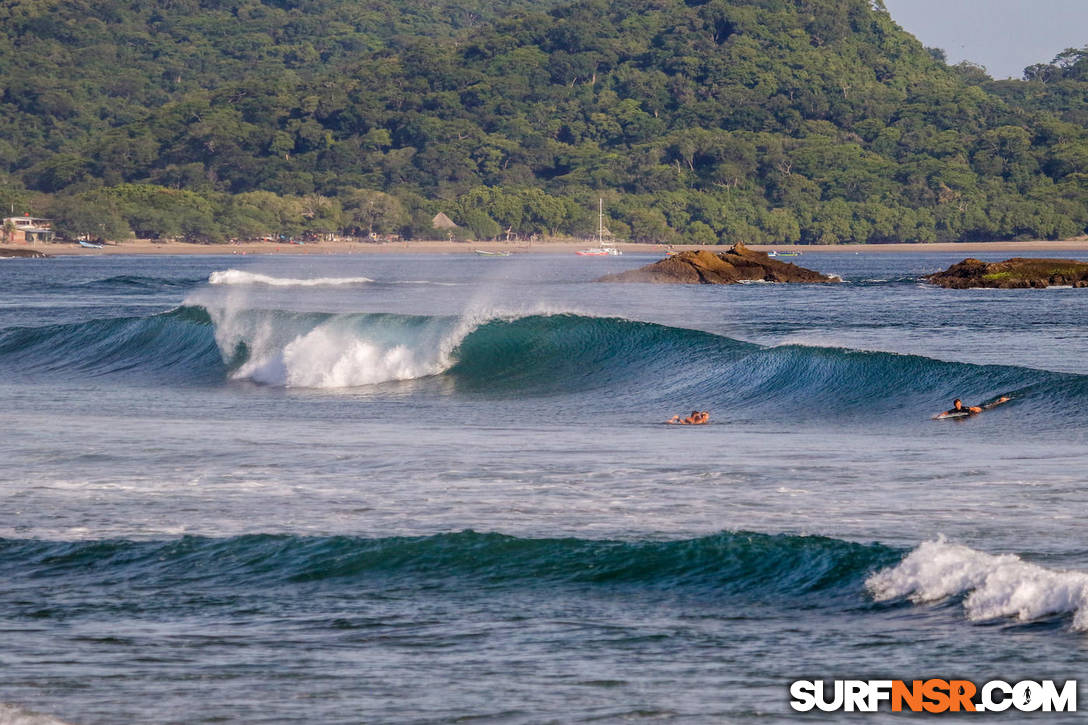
{"x": 422, "y": 489}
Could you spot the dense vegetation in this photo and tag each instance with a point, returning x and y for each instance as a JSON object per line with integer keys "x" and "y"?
{"x": 818, "y": 121}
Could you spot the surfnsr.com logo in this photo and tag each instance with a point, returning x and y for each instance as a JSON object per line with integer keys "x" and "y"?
{"x": 933, "y": 695}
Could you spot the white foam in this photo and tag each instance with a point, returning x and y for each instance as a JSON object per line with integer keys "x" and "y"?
{"x": 240, "y": 277}
{"x": 339, "y": 353}
{"x": 14, "y": 715}
{"x": 343, "y": 350}
{"x": 329, "y": 358}
{"x": 997, "y": 586}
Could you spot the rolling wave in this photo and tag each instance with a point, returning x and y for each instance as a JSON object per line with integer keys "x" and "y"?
{"x": 721, "y": 564}
{"x": 623, "y": 361}
{"x": 177, "y": 345}
{"x": 816, "y": 570}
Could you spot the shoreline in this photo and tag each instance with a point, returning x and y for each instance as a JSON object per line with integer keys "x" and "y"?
{"x": 147, "y": 247}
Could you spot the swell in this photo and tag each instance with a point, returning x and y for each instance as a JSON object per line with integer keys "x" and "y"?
{"x": 135, "y": 283}
{"x": 604, "y": 361}
{"x": 725, "y": 563}
{"x": 808, "y": 571}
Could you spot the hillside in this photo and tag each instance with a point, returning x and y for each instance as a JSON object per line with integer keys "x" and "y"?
{"x": 818, "y": 121}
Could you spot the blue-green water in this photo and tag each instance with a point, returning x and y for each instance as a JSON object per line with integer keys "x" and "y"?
{"x": 424, "y": 489}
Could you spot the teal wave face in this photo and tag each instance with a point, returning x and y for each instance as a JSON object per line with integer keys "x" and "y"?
{"x": 551, "y": 354}
{"x": 724, "y": 564}
{"x": 177, "y": 345}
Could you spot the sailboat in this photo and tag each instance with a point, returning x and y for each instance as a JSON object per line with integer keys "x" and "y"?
{"x": 600, "y": 250}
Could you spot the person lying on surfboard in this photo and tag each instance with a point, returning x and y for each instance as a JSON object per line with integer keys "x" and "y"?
{"x": 958, "y": 408}
{"x": 696, "y": 418}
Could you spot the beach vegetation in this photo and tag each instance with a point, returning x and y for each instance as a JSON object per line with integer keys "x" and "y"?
{"x": 764, "y": 121}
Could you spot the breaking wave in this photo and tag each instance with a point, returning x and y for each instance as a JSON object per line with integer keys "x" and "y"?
{"x": 620, "y": 361}
{"x": 749, "y": 567}
{"x": 993, "y": 586}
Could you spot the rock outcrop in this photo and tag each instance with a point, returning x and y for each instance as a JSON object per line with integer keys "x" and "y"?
{"x": 1015, "y": 273}
{"x": 17, "y": 252}
{"x": 739, "y": 264}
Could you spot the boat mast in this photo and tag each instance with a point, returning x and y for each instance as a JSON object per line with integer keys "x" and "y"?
{"x": 600, "y": 221}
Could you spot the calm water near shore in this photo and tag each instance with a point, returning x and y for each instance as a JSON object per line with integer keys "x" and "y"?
{"x": 425, "y": 488}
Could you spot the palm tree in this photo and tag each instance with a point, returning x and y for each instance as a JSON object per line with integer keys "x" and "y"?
{"x": 9, "y": 230}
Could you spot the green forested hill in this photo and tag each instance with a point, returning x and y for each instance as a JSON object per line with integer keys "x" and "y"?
{"x": 701, "y": 120}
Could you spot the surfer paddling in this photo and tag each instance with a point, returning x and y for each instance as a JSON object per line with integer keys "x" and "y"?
{"x": 959, "y": 410}
{"x": 696, "y": 418}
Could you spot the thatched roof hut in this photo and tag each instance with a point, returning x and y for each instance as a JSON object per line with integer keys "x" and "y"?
{"x": 441, "y": 221}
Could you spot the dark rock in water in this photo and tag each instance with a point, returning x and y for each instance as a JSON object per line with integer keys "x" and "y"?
{"x": 1015, "y": 273}
{"x": 739, "y": 264}
{"x": 9, "y": 252}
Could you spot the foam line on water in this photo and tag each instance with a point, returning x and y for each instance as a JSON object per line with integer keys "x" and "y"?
{"x": 996, "y": 586}
{"x": 241, "y": 277}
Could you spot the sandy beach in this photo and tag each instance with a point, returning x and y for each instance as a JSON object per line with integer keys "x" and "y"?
{"x": 144, "y": 246}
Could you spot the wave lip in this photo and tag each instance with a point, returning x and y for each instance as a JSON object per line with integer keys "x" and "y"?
{"x": 997, "y": 586}
{"x": 241, "y": 277}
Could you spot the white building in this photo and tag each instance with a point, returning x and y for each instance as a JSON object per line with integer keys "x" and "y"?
{"x": 26, "y": 229}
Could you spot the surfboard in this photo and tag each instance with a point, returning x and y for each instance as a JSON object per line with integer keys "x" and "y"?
{"x": 946, "y": 416}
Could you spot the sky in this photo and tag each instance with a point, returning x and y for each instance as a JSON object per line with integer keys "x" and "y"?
{"x": 1006, "y": 36}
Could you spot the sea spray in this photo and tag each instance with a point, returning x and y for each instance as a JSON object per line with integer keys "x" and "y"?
{"x": 997, "y": 586}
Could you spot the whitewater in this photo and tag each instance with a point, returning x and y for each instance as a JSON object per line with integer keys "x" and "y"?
{"x": 415, "y": 489}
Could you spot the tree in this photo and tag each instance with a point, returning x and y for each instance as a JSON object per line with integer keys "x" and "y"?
{"x": 481, "y": 225}
{"x": 91, "y": 215}
{"x": 374, "y": 211}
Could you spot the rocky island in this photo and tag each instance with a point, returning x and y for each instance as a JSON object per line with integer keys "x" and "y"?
{"x": 739, "y": 264}
{"x": 1015, "y": 273}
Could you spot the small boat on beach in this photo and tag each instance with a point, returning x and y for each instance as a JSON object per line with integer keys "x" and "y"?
{"x": 90, "y": 245}
{"x": 490, "y": 253}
